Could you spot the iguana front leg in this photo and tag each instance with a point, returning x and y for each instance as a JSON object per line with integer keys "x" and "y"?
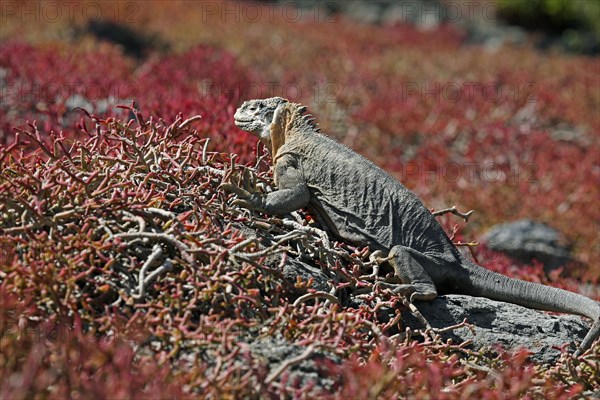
{"x": 292, "y": 193}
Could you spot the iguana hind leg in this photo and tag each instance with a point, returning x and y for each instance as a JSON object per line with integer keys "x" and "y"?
{"x": 415, "y": 280}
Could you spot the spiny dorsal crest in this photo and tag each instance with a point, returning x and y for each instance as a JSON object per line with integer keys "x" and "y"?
{"x": 289, "y": 118}
{"x": 307, "y": 120}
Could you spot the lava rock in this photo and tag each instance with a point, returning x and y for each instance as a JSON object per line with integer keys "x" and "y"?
{"x": 526, "y": 240}
{"x": 133, "y": 42}
{"x": 310, "y": 371}
{"x": 496, "y": 323}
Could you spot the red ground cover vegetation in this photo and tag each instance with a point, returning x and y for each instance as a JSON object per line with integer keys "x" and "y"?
{"x": 511, "y": 134}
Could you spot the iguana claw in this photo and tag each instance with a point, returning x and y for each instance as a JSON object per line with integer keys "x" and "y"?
{"x": 246, "y": 199}
{"x": 244, "y": 204}
{"x": 377, "y": 257}
{"x": 415, "y": 292}
{"x": 241, "y": 193}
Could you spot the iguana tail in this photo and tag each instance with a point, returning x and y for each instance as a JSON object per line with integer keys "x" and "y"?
{"x": 485, "y": 283}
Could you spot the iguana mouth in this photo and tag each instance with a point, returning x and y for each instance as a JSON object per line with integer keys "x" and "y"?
{"x": 242, "y": 121}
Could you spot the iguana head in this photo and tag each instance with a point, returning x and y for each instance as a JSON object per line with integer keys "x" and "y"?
{"x": 255, "y": 116}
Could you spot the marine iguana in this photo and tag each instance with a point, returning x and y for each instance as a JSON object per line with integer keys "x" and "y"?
{"x": 360, "y": 203}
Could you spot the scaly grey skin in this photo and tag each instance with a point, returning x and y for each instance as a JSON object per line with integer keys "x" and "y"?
{"x": 359, "y": 202}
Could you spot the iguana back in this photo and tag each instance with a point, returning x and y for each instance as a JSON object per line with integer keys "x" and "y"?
{"x": 359, "y": 201}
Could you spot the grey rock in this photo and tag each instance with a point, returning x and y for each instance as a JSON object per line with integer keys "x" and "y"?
{"x": 494, "y": 323}
{"x": 497, "y": 323}
{"x": 276, "y": 351}
{"x": 423, "y": 13}
{"x": 96, "y": 106}
{"x": 295, "y": 268}
{"x": 494, "y": 36}
{"x": 292, "y": 268}
{"x": 78, "y": 101}
{"x": 526, "y": 240}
